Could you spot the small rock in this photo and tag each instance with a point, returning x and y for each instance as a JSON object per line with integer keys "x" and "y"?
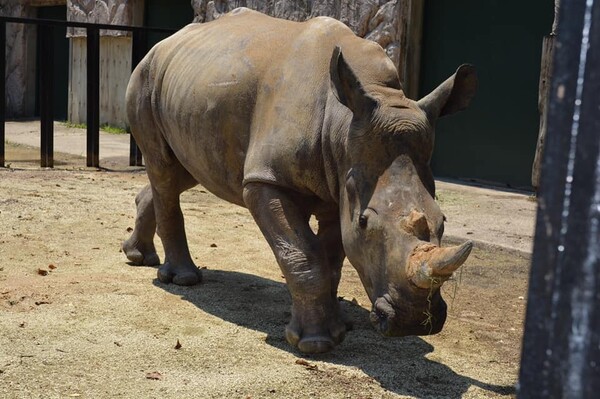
{"x": 213, "y": 245}
{"x": 155, "y": 375}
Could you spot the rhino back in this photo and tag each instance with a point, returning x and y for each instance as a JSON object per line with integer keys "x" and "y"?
{"x": 244, "y": 99}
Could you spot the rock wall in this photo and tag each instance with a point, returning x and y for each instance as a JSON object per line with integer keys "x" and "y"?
{"x": 375, "y": 20}
{"x": 20, "y": 59}
{"x": 113, "y": 12}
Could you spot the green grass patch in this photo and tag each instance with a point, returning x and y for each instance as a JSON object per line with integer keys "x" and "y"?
{"x": 105, "y": 128}
{"x": 73, "y": 125}
{"x": 113, "y": 129}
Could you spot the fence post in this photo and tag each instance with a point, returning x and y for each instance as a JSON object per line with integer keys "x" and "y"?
{"x": 93, "y": 96}
{"x": 2, "y": 92}
{"x": 561, "y": 346}
{"x": 46, "y": 96}
{"x": 138, "y": 51}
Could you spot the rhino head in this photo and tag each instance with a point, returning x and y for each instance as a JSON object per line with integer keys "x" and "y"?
{"x": 391, "y": 225}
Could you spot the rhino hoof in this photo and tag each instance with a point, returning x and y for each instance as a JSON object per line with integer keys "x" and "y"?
{"x": 316, "y": 344}
{"x": 140, "y": 257}
{"x": 189, "y": 275}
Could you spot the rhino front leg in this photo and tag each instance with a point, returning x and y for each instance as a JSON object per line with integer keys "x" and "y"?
{"x": 316, "y": 325}
{"x": 330, "y": 236}
{"x": 139, "y": 248}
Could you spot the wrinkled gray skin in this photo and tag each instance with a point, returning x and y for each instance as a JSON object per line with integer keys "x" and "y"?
{"x": 291, "y": 120}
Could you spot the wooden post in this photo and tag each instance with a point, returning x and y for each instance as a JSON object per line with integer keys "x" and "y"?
{"x": 410, "y": 34}
{"x": 543, "y": 95}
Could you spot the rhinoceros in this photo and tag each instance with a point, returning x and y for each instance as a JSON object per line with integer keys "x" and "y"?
{"x": 294, "y": 119}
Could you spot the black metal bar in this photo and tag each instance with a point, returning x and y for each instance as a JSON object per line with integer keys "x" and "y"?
{"x": 93, "y": 97}
{"x": 561, "y": 347}
{"x": 138, "y": 50}
{"x": 73, "y": 24}
{"x": 2, "y": 92}
{"x": 46, "y": 90}
{"x": 93, "y": 76}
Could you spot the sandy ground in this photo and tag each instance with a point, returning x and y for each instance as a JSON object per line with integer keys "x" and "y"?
{"x": 77, "y": 321}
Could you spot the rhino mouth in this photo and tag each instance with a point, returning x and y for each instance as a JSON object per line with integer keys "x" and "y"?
{"x": 392, "y": 321}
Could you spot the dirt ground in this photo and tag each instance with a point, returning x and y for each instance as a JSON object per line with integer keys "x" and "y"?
{"x": 77, "y": 321}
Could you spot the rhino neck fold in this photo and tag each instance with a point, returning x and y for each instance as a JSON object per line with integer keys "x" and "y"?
{"x": 336, "y": 125}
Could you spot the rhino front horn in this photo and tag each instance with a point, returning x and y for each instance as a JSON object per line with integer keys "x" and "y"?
{"x": 429, "y": 266}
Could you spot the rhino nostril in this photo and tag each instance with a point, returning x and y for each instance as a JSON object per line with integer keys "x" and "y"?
{"x": 383, "y": 309}
{"x": 381, "y": 315}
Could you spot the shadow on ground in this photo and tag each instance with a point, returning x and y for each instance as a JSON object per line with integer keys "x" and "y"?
{"x": 399, "y": 365}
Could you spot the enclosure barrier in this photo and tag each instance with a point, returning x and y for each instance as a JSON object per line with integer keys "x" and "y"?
{"x": 561, "y": 346}
{"x": 46, "y": 84}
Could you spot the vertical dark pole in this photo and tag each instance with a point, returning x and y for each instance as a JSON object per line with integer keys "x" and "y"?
{"x": 2, "y": 92}
{"x": 93, "y": 97}
{"x": 561, "y": 347}
{"x": 46, "y": 66}
{"x": 138, "y": 51}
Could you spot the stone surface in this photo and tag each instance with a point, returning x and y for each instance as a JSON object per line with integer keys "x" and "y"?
{"x": 114, "y": 12}
{"x": 19, "y": 60}
{"x": 372, "y": 19}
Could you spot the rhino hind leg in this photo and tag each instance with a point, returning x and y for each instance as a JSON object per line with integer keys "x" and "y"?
{"x": 316, "y": 324}
{"x": 139, "y": 248}
{"x": 167, "y": 181}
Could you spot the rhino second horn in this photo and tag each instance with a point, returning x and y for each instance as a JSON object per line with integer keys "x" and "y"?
{"x": 429, "y": 266}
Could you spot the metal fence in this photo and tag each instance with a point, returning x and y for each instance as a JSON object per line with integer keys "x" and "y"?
{"x": 46, "y": 84}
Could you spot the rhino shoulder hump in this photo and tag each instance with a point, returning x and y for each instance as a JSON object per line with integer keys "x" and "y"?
{"x": 329, "y": 24}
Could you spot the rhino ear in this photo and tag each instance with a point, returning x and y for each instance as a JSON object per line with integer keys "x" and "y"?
{"x": 346, "y": 86}
{"x": 454, "y": 95}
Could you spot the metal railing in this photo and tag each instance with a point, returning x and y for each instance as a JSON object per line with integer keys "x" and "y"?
{"x": 46, "y": 86}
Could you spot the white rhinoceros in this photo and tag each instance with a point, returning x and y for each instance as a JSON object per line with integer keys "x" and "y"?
{"x": 291, "y": 120}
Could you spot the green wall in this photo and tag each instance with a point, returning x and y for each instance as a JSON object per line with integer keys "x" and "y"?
{"x": 166, "y": 14}
{"x": 495, "y": 138}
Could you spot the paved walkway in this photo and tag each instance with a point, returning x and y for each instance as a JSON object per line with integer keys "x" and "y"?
{"x": 488, "y": 216}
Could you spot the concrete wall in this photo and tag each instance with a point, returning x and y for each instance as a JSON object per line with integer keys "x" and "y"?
{"x": 115, "y": 70}
{"x": 115, "y": 57}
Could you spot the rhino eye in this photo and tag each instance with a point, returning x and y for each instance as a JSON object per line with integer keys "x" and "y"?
{"x": 362, "y": 221}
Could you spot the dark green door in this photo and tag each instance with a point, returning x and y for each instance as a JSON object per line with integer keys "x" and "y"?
{"x": 495, "y": 139}
{"x": 61, "y": 61}
{"x": 166, "y": 14}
